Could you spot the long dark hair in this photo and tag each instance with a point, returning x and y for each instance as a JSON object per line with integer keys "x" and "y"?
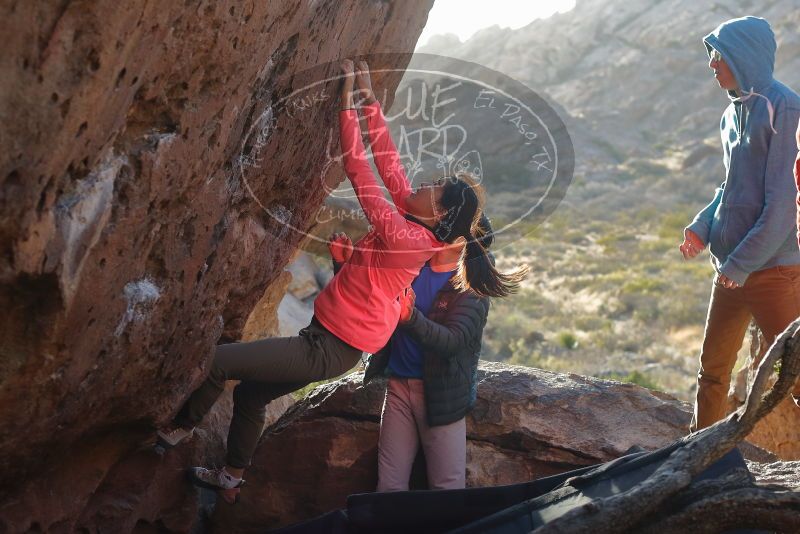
{"x": 478, "y": 272}
{"x": 463, "y": 201}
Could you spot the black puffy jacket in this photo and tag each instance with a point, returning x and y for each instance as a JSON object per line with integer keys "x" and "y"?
{"x": 450, "y": 339}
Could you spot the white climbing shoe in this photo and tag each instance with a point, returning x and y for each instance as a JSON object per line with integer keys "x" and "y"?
{"x": 218, "y": 480}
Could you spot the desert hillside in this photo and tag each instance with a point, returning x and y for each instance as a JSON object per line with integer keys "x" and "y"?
{"x": 610, "y": 294}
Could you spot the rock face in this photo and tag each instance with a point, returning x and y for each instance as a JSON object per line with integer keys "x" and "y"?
{"x": 778, "y": 432}
{"x": 527, "y": 423}
{"x": 111, "y": 484}
{"x": 142, "y": 151}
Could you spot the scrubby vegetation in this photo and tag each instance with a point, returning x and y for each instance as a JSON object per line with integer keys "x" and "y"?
{"x": 609, "y": 295}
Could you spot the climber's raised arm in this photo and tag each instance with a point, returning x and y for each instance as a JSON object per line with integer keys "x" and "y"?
{"x": 384, "y": 152}
{"x": 384, "y": 217}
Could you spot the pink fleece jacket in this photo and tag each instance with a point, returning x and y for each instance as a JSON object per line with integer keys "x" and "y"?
{"x": 360, "y": 305}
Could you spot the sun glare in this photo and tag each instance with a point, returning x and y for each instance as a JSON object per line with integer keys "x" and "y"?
{"x": 465, "y": 17}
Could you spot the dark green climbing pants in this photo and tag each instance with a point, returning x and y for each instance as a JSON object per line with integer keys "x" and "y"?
{"x": 268, "y": 369}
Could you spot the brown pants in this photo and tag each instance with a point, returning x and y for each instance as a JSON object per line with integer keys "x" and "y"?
{"x": 403, "y": 427}
{"x": 770, "y": 297}
{"x": 268, "y": 369}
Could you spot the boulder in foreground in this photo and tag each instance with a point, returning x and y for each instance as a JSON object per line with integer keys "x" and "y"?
{"x": 527, "y": 423}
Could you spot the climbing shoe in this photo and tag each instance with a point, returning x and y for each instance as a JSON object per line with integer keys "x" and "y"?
{"x": 218, "y": 480}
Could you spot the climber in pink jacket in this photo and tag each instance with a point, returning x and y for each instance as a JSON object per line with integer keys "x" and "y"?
{"x": 358, "y": 311}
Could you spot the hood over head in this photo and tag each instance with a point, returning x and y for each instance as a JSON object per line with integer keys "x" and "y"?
{"x": 748, "y": 47}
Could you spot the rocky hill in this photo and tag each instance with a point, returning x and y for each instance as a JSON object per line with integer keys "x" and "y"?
{"x": 632, "y": 78}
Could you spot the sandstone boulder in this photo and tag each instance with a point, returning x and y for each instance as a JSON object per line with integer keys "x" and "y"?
{"x": 779, "y": 431}
{"x": 149, "y": 182}
{"x": 527, "y": 423}
{"x": 110, "y": 483}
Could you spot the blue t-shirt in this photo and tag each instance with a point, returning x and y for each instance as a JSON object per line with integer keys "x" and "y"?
{"x": 405, "y": 356}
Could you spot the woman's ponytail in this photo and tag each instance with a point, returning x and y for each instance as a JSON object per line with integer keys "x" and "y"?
{"x": 462, "y": 201}
{"x": 477, "y": 271}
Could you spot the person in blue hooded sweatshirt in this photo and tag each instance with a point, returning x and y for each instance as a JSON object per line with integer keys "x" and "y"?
{"x": 749, "y": 226}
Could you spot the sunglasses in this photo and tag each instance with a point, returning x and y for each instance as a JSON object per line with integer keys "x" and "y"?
{"x": 716, "y": 57}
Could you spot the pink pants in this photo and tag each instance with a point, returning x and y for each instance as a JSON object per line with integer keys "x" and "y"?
{"x": 404, "y": 427}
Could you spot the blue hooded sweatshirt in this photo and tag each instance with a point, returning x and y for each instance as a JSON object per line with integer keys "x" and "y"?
{"x": 750, "y": 224}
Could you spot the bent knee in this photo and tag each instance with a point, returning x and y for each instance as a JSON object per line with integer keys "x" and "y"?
{"x": 247, "y": 399}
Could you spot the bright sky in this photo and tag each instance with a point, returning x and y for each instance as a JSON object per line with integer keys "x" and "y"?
{"x": 465, "y": 17}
